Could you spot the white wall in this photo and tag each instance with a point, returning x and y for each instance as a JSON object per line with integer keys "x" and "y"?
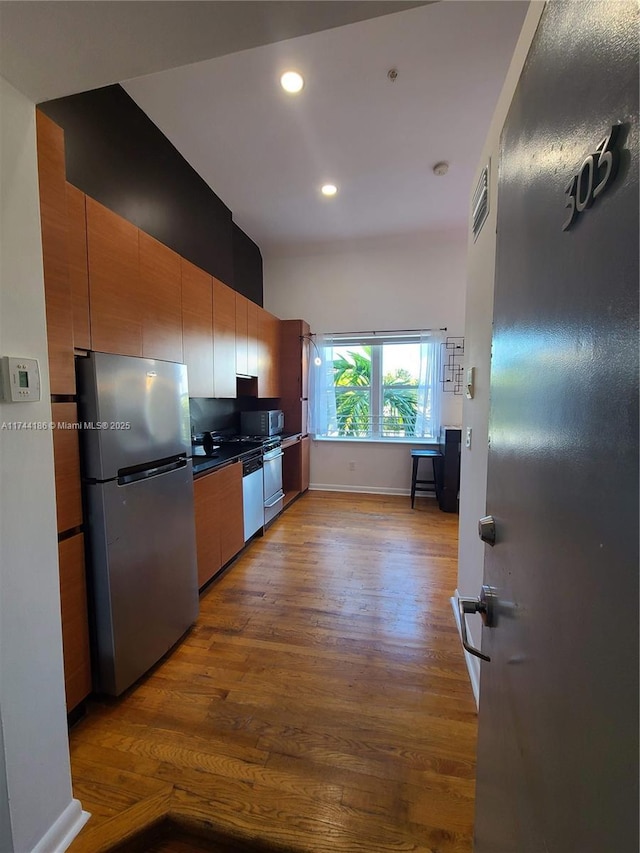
{"x": 477, "y": 331}
{"x": 5, "y": 819}
{"x": 36, "y": 788}
{"x": 410, "y": 282}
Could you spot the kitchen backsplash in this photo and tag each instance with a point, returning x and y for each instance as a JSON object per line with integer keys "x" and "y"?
{"x": 212, "y": 415}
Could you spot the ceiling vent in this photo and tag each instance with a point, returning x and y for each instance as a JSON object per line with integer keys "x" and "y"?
{"x": 480, "y": 202}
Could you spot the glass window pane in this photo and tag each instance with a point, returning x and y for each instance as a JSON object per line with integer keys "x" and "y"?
{"x": 400, "y": 408}
{"x": 400, "y": 364}
{"x": 352, "y": 366}
{"x": 400, "y": 371}
{"x": 353, "y": 412}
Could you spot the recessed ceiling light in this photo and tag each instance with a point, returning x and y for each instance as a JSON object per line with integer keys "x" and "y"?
{"x": 329, "y": 189}
{"x": 291, "y": 82}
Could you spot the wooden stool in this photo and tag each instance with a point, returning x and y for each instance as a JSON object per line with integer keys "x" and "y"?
{"x": 417, "y": 485}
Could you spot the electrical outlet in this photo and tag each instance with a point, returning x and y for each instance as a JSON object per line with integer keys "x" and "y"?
{"x": 352, "y": 466}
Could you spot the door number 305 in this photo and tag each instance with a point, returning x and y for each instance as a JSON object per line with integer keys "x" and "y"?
{"x": 594, "y": 176}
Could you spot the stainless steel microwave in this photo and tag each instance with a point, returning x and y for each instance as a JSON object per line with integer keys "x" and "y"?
{"x": 268, "y": 422}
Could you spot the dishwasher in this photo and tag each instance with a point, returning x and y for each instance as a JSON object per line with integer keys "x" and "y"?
{"x": 252, "y": 495}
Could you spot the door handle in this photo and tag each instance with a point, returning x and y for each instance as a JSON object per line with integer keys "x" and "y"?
{"x": 485, "y": 606}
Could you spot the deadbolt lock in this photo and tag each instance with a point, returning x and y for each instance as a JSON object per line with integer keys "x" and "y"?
{"x": 487, "y": 530}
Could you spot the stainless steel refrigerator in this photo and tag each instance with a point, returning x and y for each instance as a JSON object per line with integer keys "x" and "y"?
{"x": 136, "y": 443}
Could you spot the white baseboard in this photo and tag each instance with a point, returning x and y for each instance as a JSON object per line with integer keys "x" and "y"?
{"x": 473, "y": 663}
{"x": 360, "y": 490}
{"x": 60, "y": 835}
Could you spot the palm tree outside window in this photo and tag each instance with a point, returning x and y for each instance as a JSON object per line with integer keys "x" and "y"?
{"x": 376, "y": 386}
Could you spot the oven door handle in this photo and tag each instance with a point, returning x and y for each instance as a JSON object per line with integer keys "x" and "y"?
{"x": 275, "y": 500}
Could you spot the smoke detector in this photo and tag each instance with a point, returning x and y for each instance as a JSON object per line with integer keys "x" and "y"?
{"x": 392, "y": 74}
{"x": 441, "y": 168}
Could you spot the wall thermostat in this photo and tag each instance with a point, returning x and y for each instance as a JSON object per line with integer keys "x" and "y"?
{"x": 19, "y": 380}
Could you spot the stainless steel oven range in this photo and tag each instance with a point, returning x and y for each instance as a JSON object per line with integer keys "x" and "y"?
{"x": 272, "y": 474}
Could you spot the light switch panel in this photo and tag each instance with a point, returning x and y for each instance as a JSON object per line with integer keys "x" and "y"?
{"x": 470, "y": 380}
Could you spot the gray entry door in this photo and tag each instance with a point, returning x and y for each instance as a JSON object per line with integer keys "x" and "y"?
{"x": 558, "y": 725}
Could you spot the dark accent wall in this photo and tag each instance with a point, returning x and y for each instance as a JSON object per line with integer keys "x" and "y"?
{"x": 247, "y": 265}
{"x": 117, "y": 155}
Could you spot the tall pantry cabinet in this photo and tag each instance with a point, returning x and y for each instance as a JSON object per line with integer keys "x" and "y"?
{"x": 294, "y": 374}
{"x": 294, "y": 381}
{"x": 67, "y": 309}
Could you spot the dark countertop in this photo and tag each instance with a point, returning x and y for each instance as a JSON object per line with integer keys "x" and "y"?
{"x": 230, "y": 452}
{"x": 227, "y": 453}
{"x": 289, "y": 438}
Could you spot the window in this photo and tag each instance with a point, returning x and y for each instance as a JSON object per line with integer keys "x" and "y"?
{"x": 382, "y": 386}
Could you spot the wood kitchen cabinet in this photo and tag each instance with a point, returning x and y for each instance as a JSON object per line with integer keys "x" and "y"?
{"x": 205, "y": 495}
{"x": 78, "y": 269}
{"x": 135, "y": 289}
{"x": 290, "y": 470}
{"x": 246, "y": 336}
{"x": 219, "y": 519}
{"x": 230, "y": 511}
{"x": 305, "y": 447}
{"x": 295, "y": 467}
{"x": 55, "y": 255}
{"x": 160, "y": 300}
{"x": 242, "y": 335}
{"x": 114, "y": 282}
{"x": 294, "y": 374}
{"x": 64, "y": 254}
{"x": 268, "y": 355}
{"x": 75, "y": 621}
{"x": 197, "y": 328}
{"x": 224, "y": 340}
{"x": 66, "y": 457}
{"x": 252, "y": 338}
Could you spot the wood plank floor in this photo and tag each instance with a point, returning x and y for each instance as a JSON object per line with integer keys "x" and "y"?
{"x": 321, "y": 703}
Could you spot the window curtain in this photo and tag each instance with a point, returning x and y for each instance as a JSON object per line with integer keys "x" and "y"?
{"x": 429, "y": 416}
{"x": 322, "y": 418}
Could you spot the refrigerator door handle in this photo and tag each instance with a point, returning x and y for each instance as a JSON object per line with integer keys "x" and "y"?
{"x": 128, "y": 475}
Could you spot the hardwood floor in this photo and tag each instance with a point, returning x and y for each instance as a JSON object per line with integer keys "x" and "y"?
{"x": 321, "y": 703}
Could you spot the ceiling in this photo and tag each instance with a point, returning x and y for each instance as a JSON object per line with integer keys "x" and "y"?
{"x": 266, "y": 153}
{"x": 51, "y": 49}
